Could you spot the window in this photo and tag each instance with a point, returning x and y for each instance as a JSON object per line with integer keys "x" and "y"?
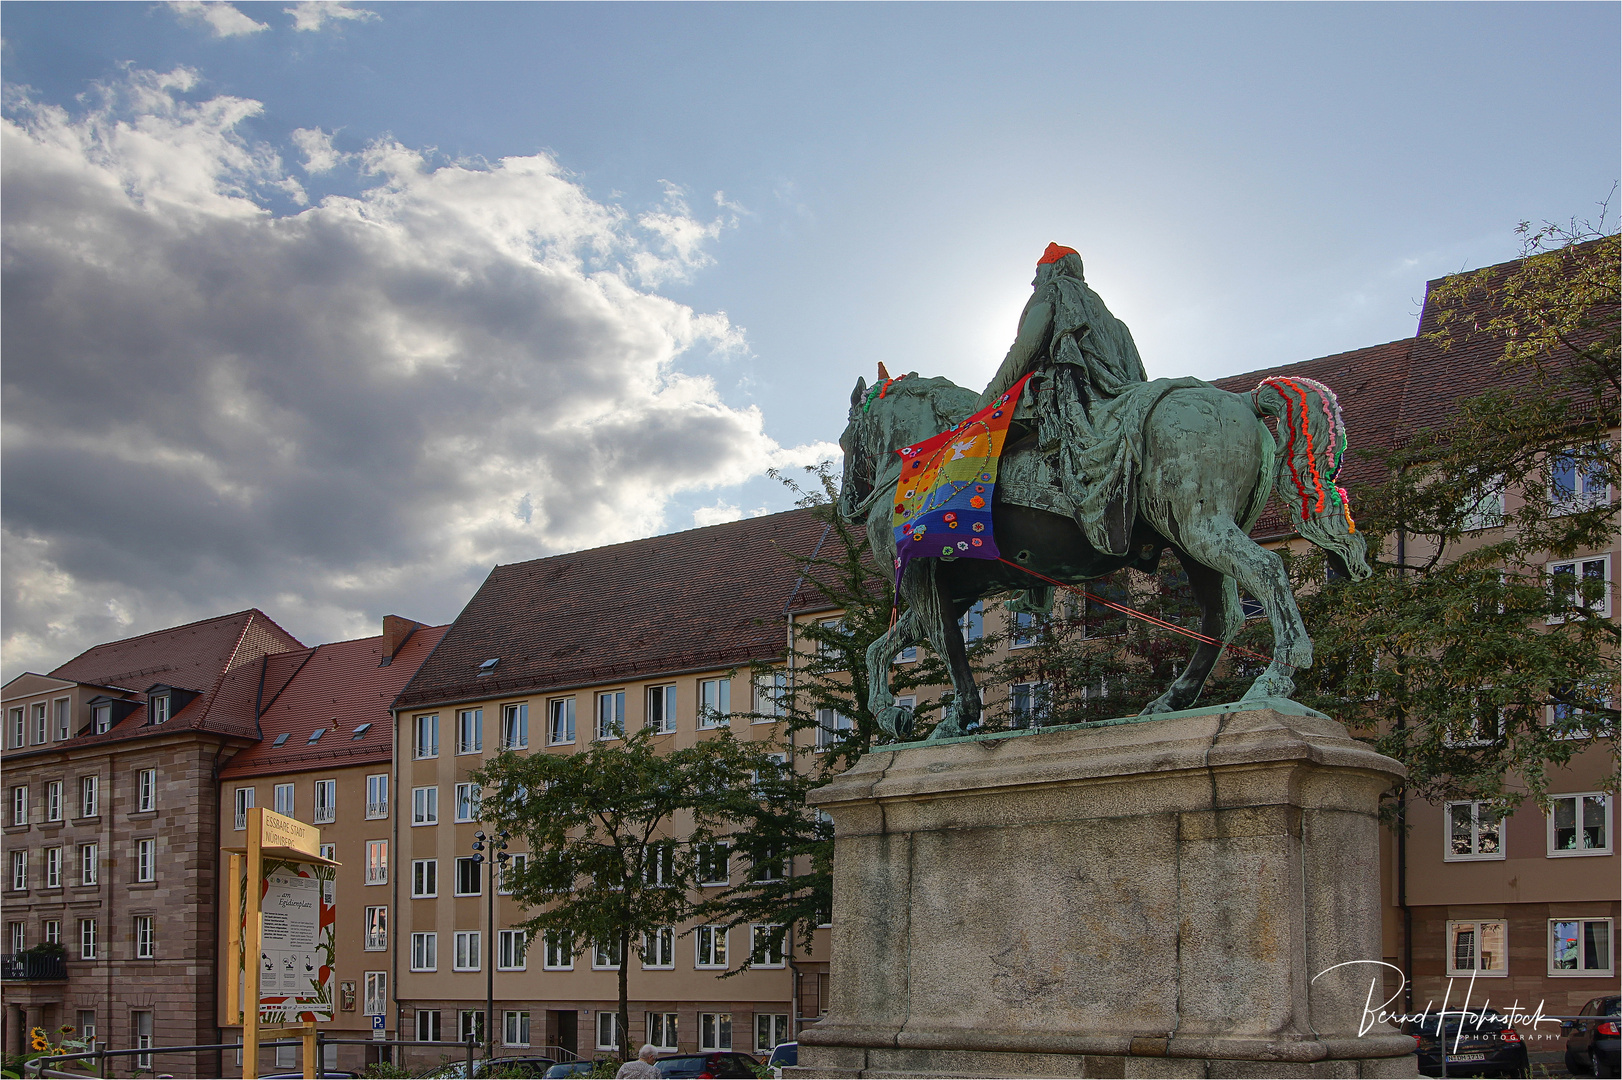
{"x": 608, "y": 1031}
{"x": 360, "y": 731}
{"x": 329, "y": 851}
{"x": 662, "y": 709}
{"x": 472, "y": 1025}
{"x": 770, "y": 1029}
{"x": 146, "y": 791}
{"x": 326, "y": 802}
{"x": 715, "y": 1031}
{"x": 1577, "y": 478}
{"x": 101, "y": 718}
{"x": 53, "y": 800}
{"x": 41, "y": 732}
{"x": 711, "y": 947}
{"x": 89, "y": 863}
{"x": 559, "y": 951}
{"x": 282, "y": 799}
{"x": 1583, "y": 584}
{"x": 515, "y": 1028}
{"x": 973, "y": 623}
{"x": 87, "y": 1024}
{"x": 53, "y": 868}
{"x": 909, "y": 655}
{"x": 1026, "y": 629}
{"x": 1483, "y": 508}
{"x": 467, "y": 876}
{"x": 377, "y": 929}
{"x": 377, "y": 796}
{"x": 1027, "y": 704}
{"x": 424, "y": 952}
{"x": 767, "y": 864}
{"x": 1580, "y": 947}
{"x": 611, "y": 714}
{"x": 15, "y": 731}
{"x": 766, "y": 946}
{"x": 469, "y": 731}
{"x": 160, "y": 709}
{"x": 376, "y": 999}
{"x": 244, "y": 803}
{"x": 510, "y": 948}
{"x": 467, "y": 802}
{"x": 833, "y": 728}
{"x": 714, "y": 703}
{"x": 427, "y": 736}
{"x": 1580, "y": 825}
{"x": 89, "y": 805}
{"x": 64, "y": 717}
{"x": 771, "y": 696}
{"x": 659, "y": 864}
{"x": 833, "y": 632}
{"x": 515, "y": 735}
{"x": 377, "y": 862}
{"x": 17, "y": 936}
{"x": 141, "y": 1022}
{"x": 53, "y": 931}
{"x": 659, "y": 948}
{"x": 467, "y": 951}
{"x": 424, "y": 878}
{"x": 605, "y": 955}
{"x": 1478, "y": 948}
{"x": 1474, "y": 829}
{"x": 662, "y": 1031}
{"x": 560, "y": 721}
{"x": 425, "y": 806}
{"x": 427, "y": 1026}
{"x": 19, "y": 805}
{"x": 19, "y": 870}
{"x": 712, "y": 864}
{"x": 146, "y": 860}
{"x": 87, "y": 939}
{"x": 145, "y": 945}
{"x": 511, "y": 872}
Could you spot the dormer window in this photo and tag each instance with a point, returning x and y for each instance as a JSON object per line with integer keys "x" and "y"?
{"x": 489, "y": 665}
{"x": 158, "y": 710}
{"x": 101, "y": 718}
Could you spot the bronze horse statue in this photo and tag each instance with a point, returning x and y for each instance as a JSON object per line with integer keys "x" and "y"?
{"x": 1208, "y": 464}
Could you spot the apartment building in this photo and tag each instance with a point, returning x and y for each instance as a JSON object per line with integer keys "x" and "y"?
{"x": 325, "y": 757}
{"x": 111, "y": 836}
{"x": 548, "y": 656}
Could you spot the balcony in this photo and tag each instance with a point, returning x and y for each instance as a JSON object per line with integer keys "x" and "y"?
{"x": 18, "y": 967}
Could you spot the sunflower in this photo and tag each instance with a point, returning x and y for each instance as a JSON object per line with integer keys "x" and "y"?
{"x": 39, "y": 1042}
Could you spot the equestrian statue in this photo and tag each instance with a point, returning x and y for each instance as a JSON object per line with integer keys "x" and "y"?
{"x": 1071, "y": 465}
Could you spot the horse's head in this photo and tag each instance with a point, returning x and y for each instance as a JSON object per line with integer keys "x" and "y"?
{"x": 907, "y": 410}
{"x": 857, "y": 482}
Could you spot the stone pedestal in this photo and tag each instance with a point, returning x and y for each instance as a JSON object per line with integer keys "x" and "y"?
{"x": 1145, "y": 899}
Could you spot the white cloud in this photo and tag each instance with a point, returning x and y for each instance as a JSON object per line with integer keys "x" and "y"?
{"x": 353, "y": 409}
{"x": 222, "y": 18}
{"x": 722, "y": 511}
{"x": 319, "y": 155}
{"x": 316, "y": 14}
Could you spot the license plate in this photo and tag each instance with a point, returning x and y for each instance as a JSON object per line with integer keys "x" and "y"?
{"x": 1467, "y": 1057}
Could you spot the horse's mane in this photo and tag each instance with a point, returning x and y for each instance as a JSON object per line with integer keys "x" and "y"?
{"x": 950, "y": 402}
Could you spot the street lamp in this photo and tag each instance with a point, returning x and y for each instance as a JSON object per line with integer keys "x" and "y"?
{"x": 498, "y": 849}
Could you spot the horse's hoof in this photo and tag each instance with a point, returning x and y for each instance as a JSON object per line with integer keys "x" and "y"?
{"x": 1158, "y": 705}
{"x": 895, "y": 720}
{"x": 1270, "y": 685}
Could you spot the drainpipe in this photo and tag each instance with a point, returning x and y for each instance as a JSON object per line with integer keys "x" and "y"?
{"x": 396, "y": 808}
{"x": 1402, "y": 837}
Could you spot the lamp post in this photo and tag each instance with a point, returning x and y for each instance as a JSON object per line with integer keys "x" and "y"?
{"x": 498, "y": 851}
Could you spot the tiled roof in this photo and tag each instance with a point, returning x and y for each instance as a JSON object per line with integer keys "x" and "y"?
{"x": 336, "y": 687}
{"x": 705, "y": 598}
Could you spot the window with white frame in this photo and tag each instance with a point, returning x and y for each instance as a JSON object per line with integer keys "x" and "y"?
{"x": 713, "y": 863}
{"x": 833, "y": 728}
{"x": 326, "y": 802}
{"x": 467, "y": 950}
{"x": 1025, "y": 629}
{"x": 244, "y": 803}
{"x": 89, "y": 863}
{"x": 662, "y": 709}
{"x": 973, "y": 623}
{"x": 1478, "y": 948}
{"x": 509, "y": 874}
{"x": 771, "y": 696}
{"x": 425, "y": 742}
{"x": 467, "y": 802}
{"x": 662, "y": 1031}
{"x": 375, "y": 997}
{"x": 87, "y": 939}
{"x": 53, "y": 931}
{"x": 428, "y": 1025}
{"x": 141, "y": 1022}
{"x": 145, "y": 942}
{"x": 770, "y": 1029}
{"x": 908, "y": 702}
{"x": 468, "y": 877}
{"x": 377, "y": 862}
{"x": 515, "y": 727}
{"x": 424, "y": 951}
{"x": 377, "y": 929}
{"x": 101, "y": 718}
{"x": 559, "y": 951}
{"x": 714, "y": 703}
{"x": 377, "y": 796}
{"x": 909, "y": 655}
{"x": 659, "y": 948}
{"x": 471, "y": 1025}
{"x": 1483, "y": 507}
{"x": 1581, "y": 947}
{"x": 1027, "y": 703}
{"x": 53, "y": 868}
{"x": 19, "y": 805}
{"x": 146, "y": 791}
{"x": 1580, "y": 584}
{"x": 42, "y": 733}
{"x": 605, "y": 955}
{"x": 16, "y": 933}
{"x": 87, "y": 1025}
{"x": 659, "y": 863}
{"x": 511, "y": 946}
{"x": 715, "y": 1031}
{"x": 64, "y": 717}
{"x": 611, "y": 714}
{"x": 329, "y": 851}
{"x": 16, "y": 731}
{"x": 53, "y": 800}
{"x": 424, "y": 878}
{"x": 710, "y": 947}
{"x": 515, "y": 1028}
{"x": 425, "y": 806}
{"x": 767, "y": 863}
{"x": 146, "y": 860}
{"x": 19, "y": 870}
{"x": 469, "y": 731}
{"x": 766, "y": 946}
{"x": 282, "y": 799}
{"x": 560, "y": 721}
{"x": 89, "y": 796}
{"x": 1579, "y": 824}
{"x": 1474, "y": 831}
{"x": 160, "y": 709}
{"x": 1577, "y": 478}
{"x": 828, "y": 647}
{"x": 608, "y": 1030}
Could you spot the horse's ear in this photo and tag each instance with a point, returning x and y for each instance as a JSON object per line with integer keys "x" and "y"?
{"x": 858, "y": 394}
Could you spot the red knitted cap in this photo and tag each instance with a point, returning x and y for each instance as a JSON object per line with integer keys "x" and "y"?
{"x": 1054, "y": 253}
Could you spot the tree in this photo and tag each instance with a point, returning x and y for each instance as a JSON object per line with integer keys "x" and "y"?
{"x": 620, "y": 834}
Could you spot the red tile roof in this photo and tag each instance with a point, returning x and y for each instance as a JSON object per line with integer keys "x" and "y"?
{"x": 705, "y": 598}
{"x": 336, "y": 687}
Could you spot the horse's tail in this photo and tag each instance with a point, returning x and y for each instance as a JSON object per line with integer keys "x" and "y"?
{"x": 1312, "y": 436}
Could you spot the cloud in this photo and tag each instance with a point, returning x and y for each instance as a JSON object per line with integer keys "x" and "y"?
{"x": 331, "y": 414}
{"x": 222, "y": 18}
{"x": 319, "y": 155}
{"x": 316, "y": 14}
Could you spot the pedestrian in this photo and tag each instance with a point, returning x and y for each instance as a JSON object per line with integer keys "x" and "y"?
{"x": 642, "y": 1067}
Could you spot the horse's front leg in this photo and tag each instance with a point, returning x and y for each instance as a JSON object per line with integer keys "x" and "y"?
{"x": 939, "y": 622}
{"x": 891, "y": 718}
{"x": 1221, "y": 616}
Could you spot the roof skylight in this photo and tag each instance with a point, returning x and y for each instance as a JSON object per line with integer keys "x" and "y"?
{"x": 282, "y": 738}
{"x": 489, "y": 665}
{"x": 363, "y": 729}
{"x": 315, "y": 736}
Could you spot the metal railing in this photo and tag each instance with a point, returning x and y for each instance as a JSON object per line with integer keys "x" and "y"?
{"x": 19, "y": 966}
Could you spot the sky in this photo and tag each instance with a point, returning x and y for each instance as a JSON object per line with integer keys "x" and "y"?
{"x": 325, "y": 309}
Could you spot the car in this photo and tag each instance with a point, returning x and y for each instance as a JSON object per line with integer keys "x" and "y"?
{"x": 715, "y": 1063}
{"x": 1592, "y": 1045}
{"x": 324, "y": 1074}
{"x": 783, "y": 1054}
{"x": 493, "y": 1067}
{"x": 575, "y": 1068}
{"x": 1469, "y": 1044}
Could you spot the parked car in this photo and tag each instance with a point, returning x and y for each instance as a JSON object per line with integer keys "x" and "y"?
{"x": 712, "y": 1064}
{"x": 1592, "y": 1045}
{"x": 570, "y": 1068}
{"x": 324, "y": 1074}
{"x": 1469, "y": 1044}
{"x": 783, "y": 1054}
{"x": 493, "y": 1067}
